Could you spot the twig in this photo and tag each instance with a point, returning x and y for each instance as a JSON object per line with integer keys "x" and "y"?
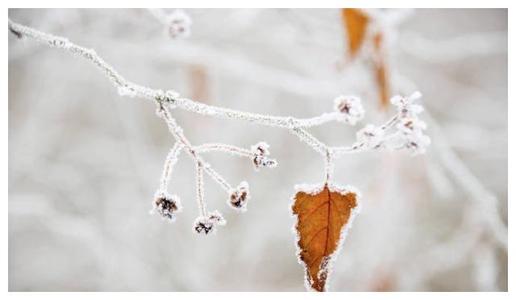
{"x": 127, "y": 88}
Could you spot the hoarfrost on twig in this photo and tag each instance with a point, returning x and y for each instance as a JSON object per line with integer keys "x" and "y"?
{"x": 408, "y": 129}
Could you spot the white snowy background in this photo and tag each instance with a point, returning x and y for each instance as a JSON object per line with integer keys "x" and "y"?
{"x": 84, "y": 162}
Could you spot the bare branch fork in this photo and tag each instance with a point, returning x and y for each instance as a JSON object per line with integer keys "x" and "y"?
{"x": 402, "y": 131}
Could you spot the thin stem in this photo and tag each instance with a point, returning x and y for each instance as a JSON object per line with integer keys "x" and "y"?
{"x": 200, "y": 190}
{"x": 177, "y": 133}
{"x": 224, "y": 148}
{"x": 216, "y": 176}
{"x": 310, "y": 140}
{"x": 169, "y": 164}
{"x": 328, "y": 165}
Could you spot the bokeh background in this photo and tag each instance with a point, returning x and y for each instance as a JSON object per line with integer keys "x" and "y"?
{"x": 84, "y": 162}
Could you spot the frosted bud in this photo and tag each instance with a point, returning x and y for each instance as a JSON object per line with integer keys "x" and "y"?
{"x": 371, "y": 136}
{"x": 203, "y": 225}
{"x": 166, "y": 205}
{"x": 208, "y": 224}
{"x": 350, "y": 107}
{"x": 238, "y": 197}
{"x": 179, "y": 24}
{"x": 260, "y": 159}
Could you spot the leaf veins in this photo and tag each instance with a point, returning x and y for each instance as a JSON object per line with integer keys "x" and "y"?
{"x": 321, "y": 218}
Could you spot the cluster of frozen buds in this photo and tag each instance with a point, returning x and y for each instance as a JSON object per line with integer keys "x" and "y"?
{"x": 410, "y": 127}
{"x": 179, "y": 24}
{"x": 208, "y": 224}
{"x": 350, "y": 109}
{"x": 260, "y": 159}
{"x": 166, "y": 205}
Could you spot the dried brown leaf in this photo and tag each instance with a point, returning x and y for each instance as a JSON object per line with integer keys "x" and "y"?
{"x": 323, "y": 215}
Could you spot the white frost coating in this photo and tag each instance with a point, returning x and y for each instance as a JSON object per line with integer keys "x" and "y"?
{"x": 200, "y": 191}
{"x": 313, "y": 189}
{"x": 126, "y": 91}
{"x": 230, "y": 149}
{"x": 169, "y": 165}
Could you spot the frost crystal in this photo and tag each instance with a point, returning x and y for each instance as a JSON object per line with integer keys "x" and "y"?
{"x": 351, "y": 109}
{"x": 238, "y": 197}
{"x": 166, "y": 205}
{"x": 208, "y": 224}
{"x": 179, "y": 24}
{"x": 371, "y": 136}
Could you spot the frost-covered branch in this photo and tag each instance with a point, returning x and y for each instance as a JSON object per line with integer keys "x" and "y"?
{"x": 127, "y": 88}
{"x": 403, "y": 131}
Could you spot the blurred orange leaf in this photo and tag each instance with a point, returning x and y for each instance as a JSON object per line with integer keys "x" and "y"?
{"x": 323, "y": 215}
{"x": 355, "y": 23}
{"x": 381, "y": 71}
